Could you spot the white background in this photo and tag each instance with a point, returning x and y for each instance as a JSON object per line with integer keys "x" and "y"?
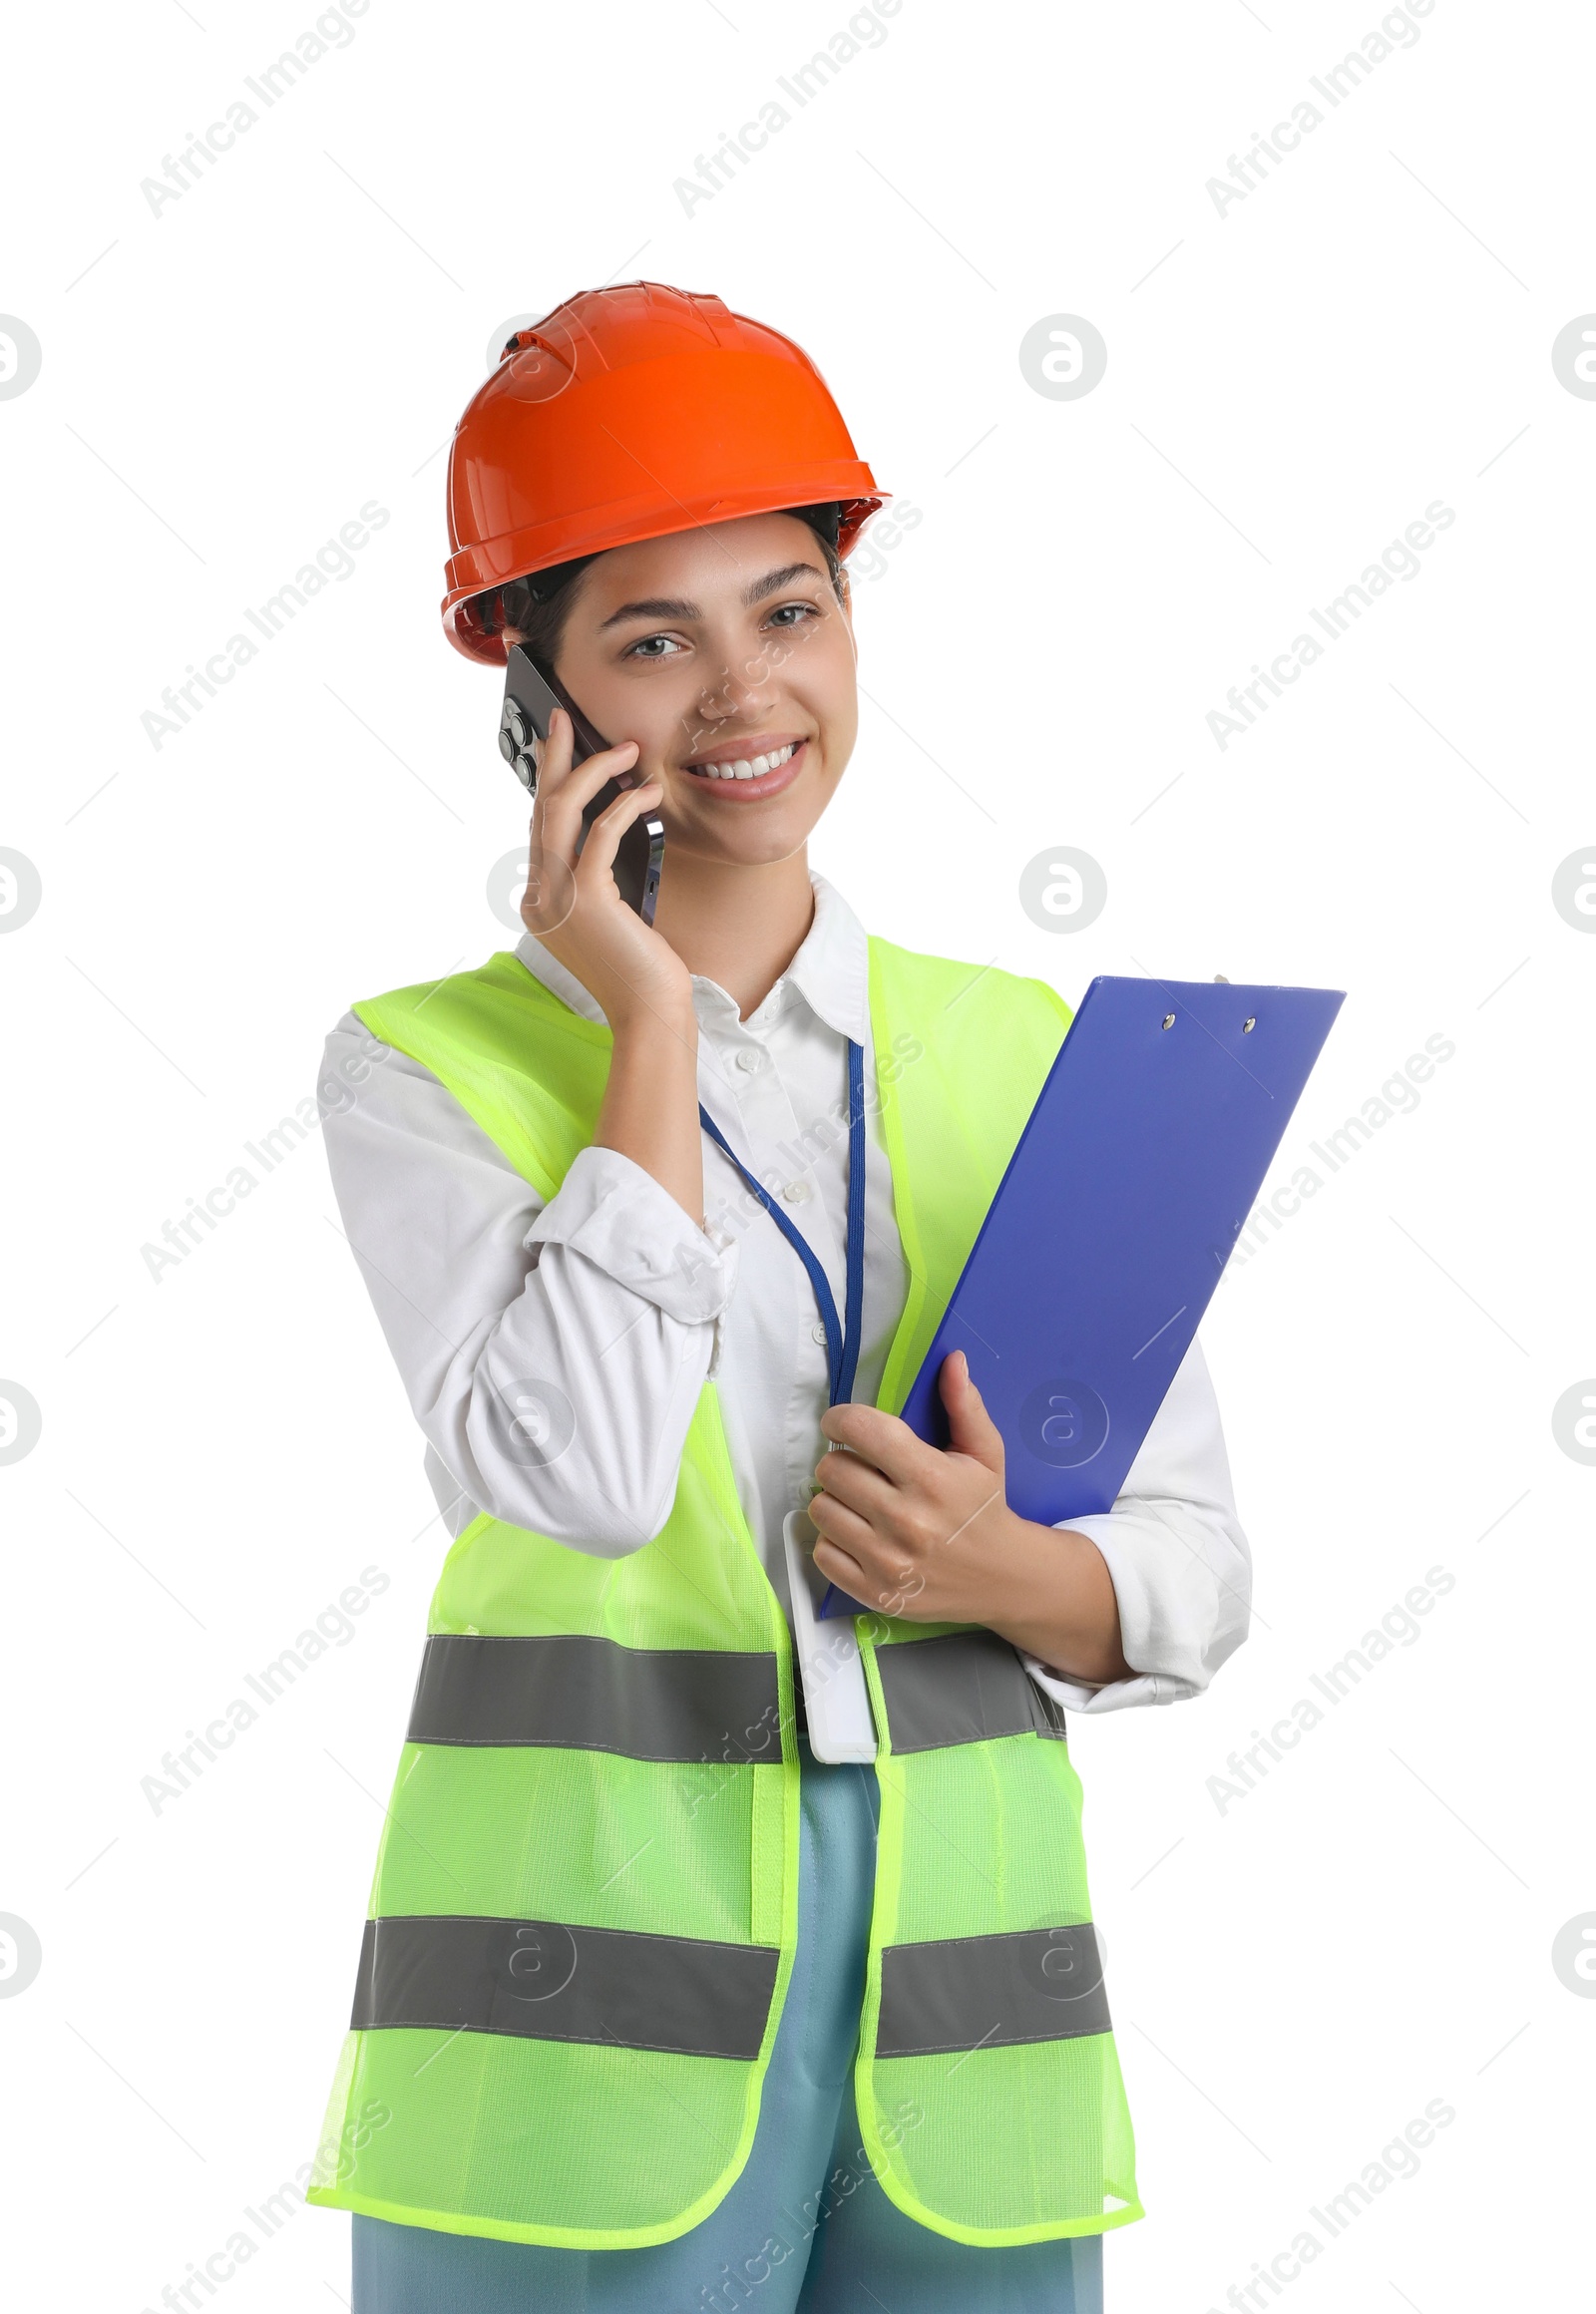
{"x": 1293, "y": 1977}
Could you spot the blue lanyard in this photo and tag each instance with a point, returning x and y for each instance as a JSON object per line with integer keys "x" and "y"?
{"x": 842, "y": 1341}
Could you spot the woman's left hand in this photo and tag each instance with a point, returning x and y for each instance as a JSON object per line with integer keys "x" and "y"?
{"x": 926, "y": 1534}
{"x": 907, "y": 1528}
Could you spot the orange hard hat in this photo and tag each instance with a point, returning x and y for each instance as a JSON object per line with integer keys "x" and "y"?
{"x": 626, "y": 413}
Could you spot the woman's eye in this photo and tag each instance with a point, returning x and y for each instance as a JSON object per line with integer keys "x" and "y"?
{"x": 652, "y": 647}
{"x": 791, "y": 614}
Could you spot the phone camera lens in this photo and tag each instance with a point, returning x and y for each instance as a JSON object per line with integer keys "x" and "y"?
{"x": 516, "y": 725}
{"x": 526, "y": 771}
{"x": 507, "y": 747}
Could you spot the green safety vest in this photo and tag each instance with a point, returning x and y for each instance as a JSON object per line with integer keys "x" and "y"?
{"x": 585, "y": 1909}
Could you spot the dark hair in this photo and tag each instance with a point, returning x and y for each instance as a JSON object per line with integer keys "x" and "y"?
{"x": 539, "y": 607}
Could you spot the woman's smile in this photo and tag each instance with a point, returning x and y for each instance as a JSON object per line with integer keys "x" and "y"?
{"x": 744, "y": 770}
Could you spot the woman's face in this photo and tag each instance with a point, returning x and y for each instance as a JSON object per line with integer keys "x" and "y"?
{"x": 714, "y": 648}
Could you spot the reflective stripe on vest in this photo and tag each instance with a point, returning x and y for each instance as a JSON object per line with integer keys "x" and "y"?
{"x": 990, "y": 1991}
{"x": 962, "y": 1686}
{"x": 587, "y": 1779}
{"x": 594, "y": 1695}
{"x": 551, "y": 1980}
{"x": 555, "y": 1980}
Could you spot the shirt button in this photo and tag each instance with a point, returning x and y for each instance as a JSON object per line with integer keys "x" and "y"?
{"x": 795, "y": 1191}
{"x": 817, "y": 1333}
{"x": 749, "y": 1058}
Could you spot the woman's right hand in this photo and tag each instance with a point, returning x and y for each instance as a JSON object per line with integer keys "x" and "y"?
{"x": 574, "y": 905}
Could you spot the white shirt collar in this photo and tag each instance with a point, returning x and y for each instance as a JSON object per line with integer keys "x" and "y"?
{"x": 830, "y": 972}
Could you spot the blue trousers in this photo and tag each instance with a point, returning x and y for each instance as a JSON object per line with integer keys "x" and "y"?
{"x": 805, "y": 2229}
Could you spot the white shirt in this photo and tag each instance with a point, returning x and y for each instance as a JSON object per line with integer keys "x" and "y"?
{"x": 614, "y": 1308}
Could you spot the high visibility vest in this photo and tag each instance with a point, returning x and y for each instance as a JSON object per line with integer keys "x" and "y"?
{"x": 585, "y": 1909}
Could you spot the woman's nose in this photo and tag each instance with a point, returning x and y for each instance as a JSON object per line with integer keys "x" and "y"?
{"x": 732, "y": 692}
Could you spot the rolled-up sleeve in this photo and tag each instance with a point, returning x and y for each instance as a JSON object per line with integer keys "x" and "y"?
{"x": 553, "y": 1353}
{"x": 611, "y": 1214}
{"x": 1175, "y": 1550}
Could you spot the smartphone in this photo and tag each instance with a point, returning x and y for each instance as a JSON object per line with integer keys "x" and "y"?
{"x": 531, "y": 696}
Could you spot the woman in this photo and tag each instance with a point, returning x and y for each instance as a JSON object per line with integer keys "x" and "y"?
{"x": 654, "y": 2010}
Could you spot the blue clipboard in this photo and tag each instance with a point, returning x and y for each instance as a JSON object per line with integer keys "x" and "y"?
{"x": 1132, "y": 1180}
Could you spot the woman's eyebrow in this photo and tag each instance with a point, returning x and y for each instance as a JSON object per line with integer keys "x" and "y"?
{"x": 652, "y": 607}
{"x": 676, "y": 606}
{"x": 774, "y": 579}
